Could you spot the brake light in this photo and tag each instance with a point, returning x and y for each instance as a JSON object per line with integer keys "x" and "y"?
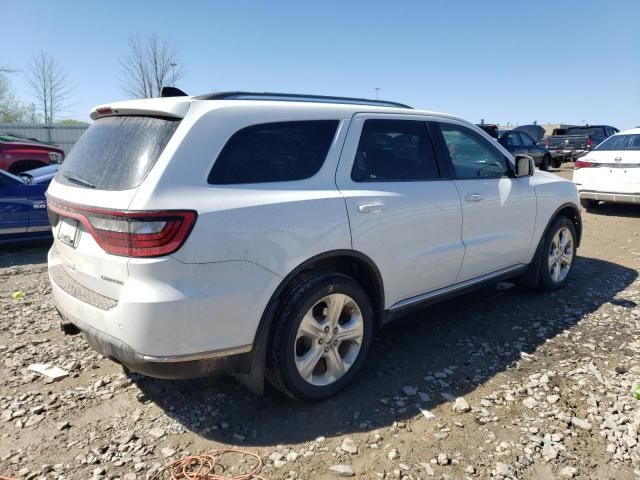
{"x": 589, "y": 143}
{"x": 546, "y": 143}
{"x": 583, "y": 164}
{"x": 104, "y": 111}
{"x": 131, "y": 234}
{"x": 55, "y": 157}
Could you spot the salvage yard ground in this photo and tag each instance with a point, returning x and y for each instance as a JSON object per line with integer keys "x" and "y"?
{"x": 547, "y": 382}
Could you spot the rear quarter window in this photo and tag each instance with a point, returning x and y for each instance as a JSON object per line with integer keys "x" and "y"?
{"x": 274, "y": 152}
{"x": 118, "y": 152}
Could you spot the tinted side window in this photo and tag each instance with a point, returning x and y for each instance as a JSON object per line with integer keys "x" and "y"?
{"x": 513, "y": 139}
{"x": 527, "y": 141}
{"x": 471, "y": 155}
{"x": 274, "y": 152}
{"x": 394, "y": 151}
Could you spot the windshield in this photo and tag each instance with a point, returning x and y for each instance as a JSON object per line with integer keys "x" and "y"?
{"x": 117, "y": 153}
{"x": 621, "y": 142}
{"x": 585, "y": 131}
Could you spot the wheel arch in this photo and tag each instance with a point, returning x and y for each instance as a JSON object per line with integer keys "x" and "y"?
{"x": 355, "y": 264}
{"x": 31, "y": 163}
{"x": 572, "y": 212}
{"x": 568, "y": 210}
{"x": 349, "y": 262}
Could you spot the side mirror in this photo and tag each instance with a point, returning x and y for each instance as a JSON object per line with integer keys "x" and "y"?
{"x": 525, "y": 166}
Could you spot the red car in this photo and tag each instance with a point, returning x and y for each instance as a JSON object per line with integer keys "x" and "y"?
{"x": 18, "y": 155}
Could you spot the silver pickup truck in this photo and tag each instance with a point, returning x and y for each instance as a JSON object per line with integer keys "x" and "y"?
{"x": 576, "y": 142}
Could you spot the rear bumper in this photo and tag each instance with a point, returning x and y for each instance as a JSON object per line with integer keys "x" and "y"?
{"x": 565, "y": 155}
{"x": 220, "y": 362}
{"x": 633, "y": 198}
{"x": 170, "y": 320}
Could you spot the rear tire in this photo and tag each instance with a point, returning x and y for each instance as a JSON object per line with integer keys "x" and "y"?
{"x": 321, "y": 336}
{"x": 558, "y": 254}
{"x": 555, "y": 163}
{"x": 588, "y": 203}
{"x": 544, "y": 164}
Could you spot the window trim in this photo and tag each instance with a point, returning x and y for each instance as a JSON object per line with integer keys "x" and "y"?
{"x": 443, "y": 151}
{"x": 211, "y": 183}
{"x": 431, "y": 147}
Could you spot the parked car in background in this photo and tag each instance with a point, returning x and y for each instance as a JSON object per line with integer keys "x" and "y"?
{"x": 302, "y": 225}
{"x": 525, "y": 140}
{"x": 490, "y": 128}
{"x": 611, "y": 172}
{"x": 23, "y": 206}
{"x": 21, "y": 154}
{"x": 577, "y": 141}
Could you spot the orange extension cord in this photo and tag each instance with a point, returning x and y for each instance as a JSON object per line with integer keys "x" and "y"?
{"x": 203, "y": 467}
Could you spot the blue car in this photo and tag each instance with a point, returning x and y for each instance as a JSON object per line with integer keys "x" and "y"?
{"x": 23, "y": 207}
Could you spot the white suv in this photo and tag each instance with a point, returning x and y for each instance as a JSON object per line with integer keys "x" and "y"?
{"x": 272, "y": 235}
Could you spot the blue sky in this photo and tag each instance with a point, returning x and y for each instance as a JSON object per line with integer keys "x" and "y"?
{"x": 504, "y": 61}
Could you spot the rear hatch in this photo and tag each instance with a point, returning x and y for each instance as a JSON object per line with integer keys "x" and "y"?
{"x": 567, "y": 142}
{"x": 613, "y": 167}
{"x": 88, "y": 201}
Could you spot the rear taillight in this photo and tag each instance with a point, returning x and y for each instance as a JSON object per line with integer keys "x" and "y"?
{"x": 546, "y": 143}
{"x": 589, "y": 143}
{"x": 583, "y": 164}
{"x": 55, "y": 157}
{"x": 131, "y": 234}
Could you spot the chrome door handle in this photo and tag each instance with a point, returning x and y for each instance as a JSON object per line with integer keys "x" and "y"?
{"x": 474, "y": 197}
{"x": 371, "y": 208}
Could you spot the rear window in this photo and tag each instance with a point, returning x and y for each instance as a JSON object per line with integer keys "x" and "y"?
{"x": 274, "y": 152}
{"x": 117, "y": 153}
{"x": 585, "y": 131}
{"x": 621, "y": 142}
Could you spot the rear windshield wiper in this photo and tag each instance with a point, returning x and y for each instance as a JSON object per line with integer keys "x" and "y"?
{"x": 81, "y": 181}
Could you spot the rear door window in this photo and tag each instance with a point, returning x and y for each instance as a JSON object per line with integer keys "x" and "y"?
{"x": 274, "y": 152}
{"x": 394, "y": 151}
{"x": 117, "y": 152}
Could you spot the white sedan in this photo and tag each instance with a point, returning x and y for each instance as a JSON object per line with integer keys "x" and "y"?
{"x": 611, "y": 172}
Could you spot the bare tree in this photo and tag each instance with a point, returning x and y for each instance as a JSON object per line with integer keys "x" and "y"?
{"x": 50, "y": 86}
{"x": 149, "y": 65}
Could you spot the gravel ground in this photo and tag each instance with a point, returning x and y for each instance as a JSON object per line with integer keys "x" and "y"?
{"x": 501, "y": 383}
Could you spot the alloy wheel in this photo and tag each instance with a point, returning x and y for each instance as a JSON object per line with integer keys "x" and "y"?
{"x": 328, "y": 339}
{"x": 561, "y": 254}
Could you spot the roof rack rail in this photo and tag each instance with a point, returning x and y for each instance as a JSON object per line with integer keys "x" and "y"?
{"x": 297, "y": 97}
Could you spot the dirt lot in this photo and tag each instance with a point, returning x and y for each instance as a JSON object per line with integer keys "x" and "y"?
{"x": 548, "y": 379}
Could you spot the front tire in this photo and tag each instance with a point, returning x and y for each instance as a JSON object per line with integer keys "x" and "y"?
{"x": 558, "y": 254}
{"x": 321, "y": 336}
{"x": 544, "y": 164}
